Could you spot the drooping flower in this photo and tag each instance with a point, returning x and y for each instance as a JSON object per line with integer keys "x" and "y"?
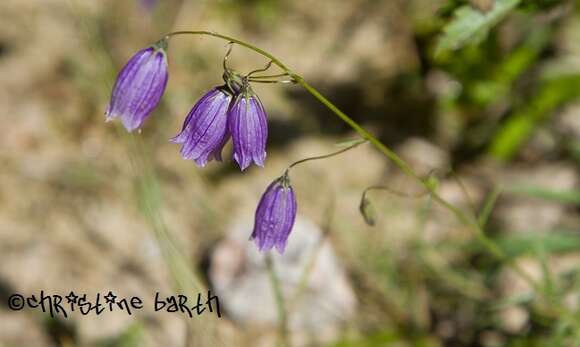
{"x": 205, "y": 130}
{"x": 139, "y": 86}
{"x": 249, "y": 128}
{"x": 275, "y": 216}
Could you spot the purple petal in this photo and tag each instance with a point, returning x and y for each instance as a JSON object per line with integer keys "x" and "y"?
{"x": 205, "y": 131}
{"x": 275, "y": 217}
{"x": 138, "y": 88}
{"x": 249, "y": 128}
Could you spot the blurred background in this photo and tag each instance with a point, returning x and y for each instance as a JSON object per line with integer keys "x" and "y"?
{"x": 482, "y": 95}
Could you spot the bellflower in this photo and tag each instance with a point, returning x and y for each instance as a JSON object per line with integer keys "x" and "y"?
{"x": 248, "y": 125}
{"x": 275, "y": 216}
{"x": 139, "y": 86}
{"x": 205, "y": 129}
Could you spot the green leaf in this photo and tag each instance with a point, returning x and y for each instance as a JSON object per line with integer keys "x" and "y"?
{"x": 571, "y": 197}
{"x": 514, "y": 300}
{"x": 471, "y": 26}
{"x": 388, "y": 338}
{"x": 552, "y": 242}
{"x": 552, "y": 94}
{"x": 132, "y": 337}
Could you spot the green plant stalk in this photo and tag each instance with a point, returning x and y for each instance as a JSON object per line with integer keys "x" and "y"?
{"x": 280, "y": 303}
{"x": 318, "y": 157}
{"x": 146, "y": 183}
{"x": 186, "y": 280}
{"x": 311, "y": 262}
{"x": 488, "y": 243}
{"x": 488, "y": 207}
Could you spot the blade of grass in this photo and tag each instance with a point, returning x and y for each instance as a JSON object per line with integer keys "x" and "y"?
{"x": 571, "y": 197}
{"x": 488, "y": 206}
{"x": 185, "y": 280}
{"x": 520, "y": 126}
{"x": 471, "y": 26}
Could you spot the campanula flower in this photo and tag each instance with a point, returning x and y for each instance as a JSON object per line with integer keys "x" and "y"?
{"x": 249, "y": 128}
{"x": 205, "y": 130}
{"x": 275, "y": 216}
{"x": 139, "y": 86}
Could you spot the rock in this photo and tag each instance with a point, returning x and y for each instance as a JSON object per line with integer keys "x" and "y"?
{"x": 515, "y": 318}
{"x": 568, "y": 123}
{"x": 15, "y": 323}
{"x": 423, "y": 156}
{"x": 524, "y": 213}
{"x": 239, "y": 276}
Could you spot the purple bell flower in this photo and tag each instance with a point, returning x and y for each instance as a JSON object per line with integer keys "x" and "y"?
{"x": 205, "y": 130}
{"x": 275, "y": 216}
{"x": 139, "y": 86}
{"x": 249, "y": 128}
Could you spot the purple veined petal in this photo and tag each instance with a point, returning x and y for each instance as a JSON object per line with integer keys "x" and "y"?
{"x": 275, "y": 216}
{"x": 138, "y": 88}
{"x": 205, "y": 131}
{"x": 249, "y": 128}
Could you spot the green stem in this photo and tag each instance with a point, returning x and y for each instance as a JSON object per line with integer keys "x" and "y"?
{"x": 398, "y": 161}
{"x": 360, "y": 130}
{"x": 271, "y": 76}
{"x": 280, "y": 303}
{"x": 260, "y": 51}
{"x": 268, "y": 81}
{"x": 392, "y": 191}
{"x": 325, "y": 155}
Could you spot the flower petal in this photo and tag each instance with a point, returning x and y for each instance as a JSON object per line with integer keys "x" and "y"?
{"x": 275, "y": 217}
{"x": 249, "y": 129}
{"x": 205, "y": 131}
{"x": 138, "y": 88}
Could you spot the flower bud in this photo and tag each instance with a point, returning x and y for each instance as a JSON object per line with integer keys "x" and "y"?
{"x": 275, "y": 216}
{"x": 205, "y": 130}
{"x": 367, "y": 211}
{"x": 249, "y": 128}
{"x": 139, "y": 86}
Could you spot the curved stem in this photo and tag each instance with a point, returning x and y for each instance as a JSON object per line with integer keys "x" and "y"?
{"x": 268, "y": 81}
{"x": 406, "y": 168}
{"x": 362, "y": 132}
{"x": 260, "y": 70}
{"x": 271, "y": 76}
{"x": 392, "y": 191}
{"x": 260, "y": 51}
{"x": 225, "y": 61}
{"x": 326, "y": 155}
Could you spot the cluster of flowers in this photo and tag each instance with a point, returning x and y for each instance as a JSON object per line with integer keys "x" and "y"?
{"x": 231, "y": 110}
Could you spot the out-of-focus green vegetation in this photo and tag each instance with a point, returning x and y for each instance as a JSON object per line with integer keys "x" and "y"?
{"x": 511, "y": 76}
{"x": 503, "y": 91}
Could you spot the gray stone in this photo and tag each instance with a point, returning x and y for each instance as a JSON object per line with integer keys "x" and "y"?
{"x": 239, "y": 275}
